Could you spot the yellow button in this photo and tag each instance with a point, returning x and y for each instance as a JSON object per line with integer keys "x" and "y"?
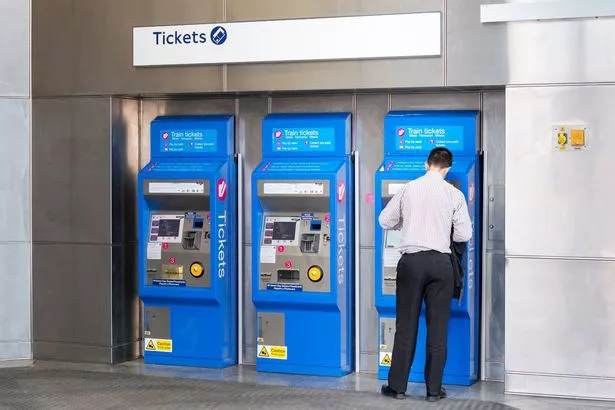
{"x": 577, "y": 137}
{"x": 315, "y": 273}
{"x": 196, "y": 269}
{"x": 562, "y": 138}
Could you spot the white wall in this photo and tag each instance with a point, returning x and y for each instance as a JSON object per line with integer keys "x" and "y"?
{"x": 15, "y": 238}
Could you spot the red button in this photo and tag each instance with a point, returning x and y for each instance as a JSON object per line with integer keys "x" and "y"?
{"x": 208, "y": 217}
{"x": 165, "y": 246}
{"x": 171, "y": 260}
{"x": 328, "y": 218}
{"x": 288, "y": 264}
{"x": 281, "y": 248}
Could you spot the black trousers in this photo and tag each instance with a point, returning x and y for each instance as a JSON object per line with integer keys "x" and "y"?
{"x": 429, "y": 276}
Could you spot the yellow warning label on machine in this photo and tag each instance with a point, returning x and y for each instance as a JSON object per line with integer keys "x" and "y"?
{"x": 385, "y": 359}
{"x": 159, "y": 345}
{"x": 272, "y": 352}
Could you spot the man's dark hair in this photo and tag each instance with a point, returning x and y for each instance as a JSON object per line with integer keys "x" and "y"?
{"x": 440, "y": 157}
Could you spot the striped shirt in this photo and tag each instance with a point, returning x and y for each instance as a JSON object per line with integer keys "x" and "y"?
{"x": 426, "y": 209}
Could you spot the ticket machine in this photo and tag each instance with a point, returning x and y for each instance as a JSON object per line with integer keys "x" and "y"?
{"x": 187, "y": 243}
{"x": 408, "y": 139}
{"x": 302, "y": 227}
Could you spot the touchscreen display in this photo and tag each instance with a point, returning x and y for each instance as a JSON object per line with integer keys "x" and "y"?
{"x": 169, "y": 227}
{"x": 393, "y": 239}
{"x": 284, "y": 231}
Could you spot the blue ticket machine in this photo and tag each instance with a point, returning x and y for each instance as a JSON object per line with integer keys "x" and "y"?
{"x": 187, "y": 243}
{"x": 408, "y": 139}
{"x": 302, "y": 233}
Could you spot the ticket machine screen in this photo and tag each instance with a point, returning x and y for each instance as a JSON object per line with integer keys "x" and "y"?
{"x": 284, "y": 231}
{"x": 392, "y": 239}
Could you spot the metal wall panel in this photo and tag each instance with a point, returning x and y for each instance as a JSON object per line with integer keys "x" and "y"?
{"x": 249, "y": 311}
{"x": 476, "y": 54}
{"x": 72, "y": 295}
{"x": 562, "y": 196}
{"x": 125, "y": 309}
{"x": 493, "y": 316}
{"x": 15, "y": 49}
{"x": 15, "y": 175}
{"x": 368, "y": 338}
{"x": 85, "y": 47}
{"x": 556, "y": 52}
{"x": 15, "y": 301}
{"x": 246, "y": 10}
{"x": 339, "y": 75}
{"x": 436, "y": 101}
{"x": 318, "y": 103}
{"x": 250, "y": 113}
{"x": 71, "y": 170}
{"x": 371, "y": 110}
{"x": 125, "y": 123}
{"x": 125, "y": 313}
{"x": 569, "y": 348}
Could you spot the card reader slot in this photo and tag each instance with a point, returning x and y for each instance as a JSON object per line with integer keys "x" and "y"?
{"x": 288, "y": 275}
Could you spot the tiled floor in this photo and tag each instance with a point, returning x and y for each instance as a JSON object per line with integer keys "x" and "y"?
{"x": 487, "y": 391}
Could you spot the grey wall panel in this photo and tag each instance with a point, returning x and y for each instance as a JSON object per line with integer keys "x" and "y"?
{"x": 53, "y": 47}
{"x": 250, "y": 113}
{"x": 493, "y": 316}
{"x": 249, "y": 311}
{"x": 125, "y": 121}
{"x": 15, "y": 48}
{"x": 476, "y": 53}
{"x": 15, "y": 301}
{"x": 71, "y": 170}
{"x": 125, "y": 309}
{"x": 368, "y": 314}
{"x": 560, "y": 195}
{"x": 15, "y": 175}
{"x": 556, "y": 52}
{"x": 249, "y": 131}
{"x": 371, "y": 110}
{"x": 95, "y": 40}
{"x": 317, "y": 103}
{"x": 572, "y": 339}
{"x": 246, "y": 10}
{"x": 436, "y": 101}
{"x": 400, "y": 73}
{"x": 72, "y": 294}
{"x": 152, "y": 108}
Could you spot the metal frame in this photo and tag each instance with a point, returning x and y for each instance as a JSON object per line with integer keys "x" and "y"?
{"x": 546, "y": 10}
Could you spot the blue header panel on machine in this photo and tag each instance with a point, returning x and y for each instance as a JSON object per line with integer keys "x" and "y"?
{"x": 306, "y": 135}
{"x": 192, "y": 136}
{"x": 418, "y": 132}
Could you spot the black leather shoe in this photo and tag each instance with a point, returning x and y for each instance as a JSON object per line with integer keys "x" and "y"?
{"x": 387, "y": 391}
{"x": 433, "y": 398}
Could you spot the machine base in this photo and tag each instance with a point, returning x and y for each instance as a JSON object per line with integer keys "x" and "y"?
{"x": 187, "y": 361}
{"x": 302, "y": 370}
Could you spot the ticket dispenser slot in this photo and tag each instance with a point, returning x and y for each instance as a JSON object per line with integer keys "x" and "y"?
{"x": 302, "y": 234}
{"x": 187, "y": 231}
{"x": 409, "y": 136}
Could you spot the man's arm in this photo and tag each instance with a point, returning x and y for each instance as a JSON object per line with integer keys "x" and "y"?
{"x": 391, "y": 216}
{"x": 462, "y": 225}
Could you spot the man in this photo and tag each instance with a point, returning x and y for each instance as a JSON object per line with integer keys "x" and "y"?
{"x": 426, "y": 210}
